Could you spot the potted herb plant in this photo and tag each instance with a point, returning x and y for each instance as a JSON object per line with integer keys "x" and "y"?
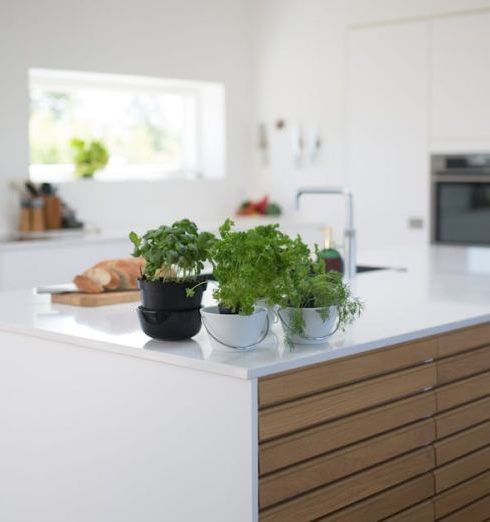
{"x": 246, "y": 266}
{"x": 171, "y": 284}
{"x": 316, "y": 303}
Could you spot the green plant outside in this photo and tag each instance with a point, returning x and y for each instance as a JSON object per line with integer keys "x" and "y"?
{"x": 88, "y": 157}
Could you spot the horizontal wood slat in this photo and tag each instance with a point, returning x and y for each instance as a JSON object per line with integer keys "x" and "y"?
{"x": 321, "y": 377}
{"x": 472, "y": 388}
{"x": 462, "y": 469}
{"x": 464, "y": 365}
{"x": 465, "y": 339}
{"x": 479, "y": 511}
{"x": 387, "y": 502}
{"x": 309, "y": 443}
{"x": 328, "y": 499}
{"x": 421, "y": 513}
{"x": 317, "y": 472}
{"x": 463, "y": 417}
{"x": 462, "y": 443}
{"x": 400, "y": 434}
{"x": 457, "y": 497}
{"x": 303, "y": 413}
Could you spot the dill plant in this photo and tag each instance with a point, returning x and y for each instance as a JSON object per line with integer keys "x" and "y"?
{"x": 319, "y": 289}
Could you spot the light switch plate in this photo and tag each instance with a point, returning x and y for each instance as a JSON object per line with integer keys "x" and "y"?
{"x": 416, "y": 223}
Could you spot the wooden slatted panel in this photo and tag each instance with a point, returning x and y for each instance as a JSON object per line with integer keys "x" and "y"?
{"x": 462, "y": 443}
{"x": 303, "y": 413}
{"x": 464, "y": 365}
{"x": 462, "y": 469}
{"x": 463, "y": 417}
{"x": 466, "y": 339}
{"x": 421, "y": 513}
{"x": 387, "y": 502}
{"x": 298, "y": 479}
{"x": 309, "y": 443}
{"x": 328, "y": 499}
{"x": 479, "y": 511}
{"x": 457, "y": 497}
{"x": 461, "y": 392}
{"x": 313, "y": 379}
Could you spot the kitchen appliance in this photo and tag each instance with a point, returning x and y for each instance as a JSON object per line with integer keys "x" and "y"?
{"x": 460, "y": 196}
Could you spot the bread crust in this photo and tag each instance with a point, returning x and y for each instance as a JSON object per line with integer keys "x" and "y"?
{"x": 111, "y": 274}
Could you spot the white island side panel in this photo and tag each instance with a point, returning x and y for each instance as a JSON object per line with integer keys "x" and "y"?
{"x": 92, "y": 436}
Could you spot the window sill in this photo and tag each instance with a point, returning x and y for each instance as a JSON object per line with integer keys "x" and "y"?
{"x": 61, "y": 174}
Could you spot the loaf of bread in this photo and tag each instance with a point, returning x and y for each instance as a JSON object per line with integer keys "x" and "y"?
{"x": 111, "y": 274}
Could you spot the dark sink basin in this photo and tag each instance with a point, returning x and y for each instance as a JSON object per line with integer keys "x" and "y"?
{"x": 365, "y": 268}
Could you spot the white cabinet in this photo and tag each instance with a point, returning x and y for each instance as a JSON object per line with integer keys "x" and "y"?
{"x": 29, "y": 265}
{"x": 460, "y": 115}
{"x": 388, "y": 164}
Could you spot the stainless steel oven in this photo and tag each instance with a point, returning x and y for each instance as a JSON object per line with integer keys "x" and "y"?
{"x": 460, "y": 186}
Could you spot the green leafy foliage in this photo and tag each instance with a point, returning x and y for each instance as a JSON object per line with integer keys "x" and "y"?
{"x": 255, "y": 264}
{"x": 173, "y": 253}
{"x": 321, "y": 289}
{"x": 273, "y": 209}
{"x": 88, "y": 156}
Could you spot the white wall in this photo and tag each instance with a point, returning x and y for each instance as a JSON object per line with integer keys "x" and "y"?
{"x": 278, "y": 59}
{"x": 300, "y": 73}
{"x": 187, "y": 39}
{"x": 303, "y": 77}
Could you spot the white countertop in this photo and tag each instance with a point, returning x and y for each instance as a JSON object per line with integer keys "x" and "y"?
{"x": 67, "y": 237}
{"x": 443, "y": 288}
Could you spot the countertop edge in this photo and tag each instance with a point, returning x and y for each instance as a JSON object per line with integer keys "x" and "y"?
{"x": 358, "y": 349}
{"x": 128, "y": 351}
{"x": 238, "y": 372}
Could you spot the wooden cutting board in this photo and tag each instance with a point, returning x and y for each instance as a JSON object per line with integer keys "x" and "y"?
{"x": 107, "y": 298}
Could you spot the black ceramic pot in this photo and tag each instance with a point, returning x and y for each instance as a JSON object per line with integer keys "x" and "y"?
{"x": 170, "y": 296}
{"x": 174, "y": 325}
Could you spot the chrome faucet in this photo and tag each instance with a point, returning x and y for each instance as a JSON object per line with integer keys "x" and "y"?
{"x": 349, "y": 246}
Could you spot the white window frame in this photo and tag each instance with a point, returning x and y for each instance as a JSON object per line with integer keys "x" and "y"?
{"x": 204, "y": 148}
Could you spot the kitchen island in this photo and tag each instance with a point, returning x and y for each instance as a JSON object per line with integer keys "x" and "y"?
{"x": 390, "y": 419}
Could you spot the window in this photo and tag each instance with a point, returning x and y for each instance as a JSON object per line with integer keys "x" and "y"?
{"x": 152, "y": 128}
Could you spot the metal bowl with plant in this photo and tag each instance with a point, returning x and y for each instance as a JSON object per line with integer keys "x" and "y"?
{"x": 315, "y": 303}
{"x": 248, "y": 267}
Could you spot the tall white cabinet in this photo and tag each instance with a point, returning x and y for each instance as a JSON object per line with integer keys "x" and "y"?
{"x": 387, "y": 122}
{"x": 414, "y": 88}
{"x": 460, "y": 92}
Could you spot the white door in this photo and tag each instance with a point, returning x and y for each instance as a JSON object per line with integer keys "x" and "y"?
{"x": 387, "y": 125}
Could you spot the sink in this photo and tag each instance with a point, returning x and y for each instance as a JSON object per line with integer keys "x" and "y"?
{"x": 366, "y": 268}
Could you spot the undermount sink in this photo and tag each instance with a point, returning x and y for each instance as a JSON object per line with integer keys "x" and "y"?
{"x": 369, "y": 268}
{"x": 365, "y": 268}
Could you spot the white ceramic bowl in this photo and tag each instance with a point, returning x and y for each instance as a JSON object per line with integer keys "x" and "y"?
{"x": 241, "y": 332}
{"x": 316, "y": 329}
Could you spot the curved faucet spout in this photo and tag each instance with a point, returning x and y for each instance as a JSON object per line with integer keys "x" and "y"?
{"x": 349, "y": 231}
